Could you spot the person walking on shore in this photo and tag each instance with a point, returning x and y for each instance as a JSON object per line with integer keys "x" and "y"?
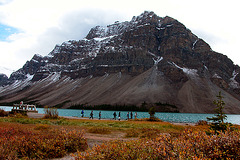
{"x": 131, "y": 114}
{"x": 135, "y": 115}
{"x": 119, "y": 116}
{"x": 100, "y": 115}
{"x": 91, "y": 115}
{"x": 128, "y": 116}
{"x": 82, "y": 112}
{"x": 114, "y": 115}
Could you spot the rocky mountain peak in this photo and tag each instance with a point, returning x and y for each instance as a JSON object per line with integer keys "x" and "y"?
{"x": 168, "y": 20}
{"x": 37, "y": 57}
{"x": 145, "y": 17}
{"x": 96, "y": 32}
{"x": 3, "y": 79}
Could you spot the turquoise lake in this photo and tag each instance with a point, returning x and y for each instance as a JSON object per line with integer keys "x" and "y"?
{"x": 168, "y": 117}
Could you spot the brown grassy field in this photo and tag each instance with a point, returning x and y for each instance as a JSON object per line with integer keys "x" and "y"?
{"x": 29, "y": 138}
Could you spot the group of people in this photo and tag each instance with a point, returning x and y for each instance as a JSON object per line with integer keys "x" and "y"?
{"x": 129, "y": 115}
{"x": 119, "y": 115}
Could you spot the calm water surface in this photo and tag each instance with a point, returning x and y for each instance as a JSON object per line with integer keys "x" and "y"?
{"x": 168, "y": 117}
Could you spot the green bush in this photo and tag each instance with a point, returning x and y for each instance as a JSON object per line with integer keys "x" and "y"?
{"x": 151, "y": 112}
{"x": 50, "y": 113}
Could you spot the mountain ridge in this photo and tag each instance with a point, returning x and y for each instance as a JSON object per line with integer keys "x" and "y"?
{"x": 148, "y": 59}
{"x": 6, "y": 71}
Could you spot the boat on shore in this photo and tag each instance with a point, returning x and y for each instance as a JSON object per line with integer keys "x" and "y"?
{"x": 19, "y": 108}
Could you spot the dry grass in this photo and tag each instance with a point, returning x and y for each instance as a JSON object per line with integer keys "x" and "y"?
{"x": 99, "y": 130}
{"x": 159, "y": 139}
{"x": 18, "y": 141}
{"x": 188, "y": 145}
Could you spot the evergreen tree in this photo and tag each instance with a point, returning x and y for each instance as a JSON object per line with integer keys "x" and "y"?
{"x": 218, "y": 121}
{"x": 151, "y": 112}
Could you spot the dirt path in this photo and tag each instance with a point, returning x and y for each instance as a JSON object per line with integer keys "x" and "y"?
{"x": 98, "y": 139}
{"x": 35, "y": 115}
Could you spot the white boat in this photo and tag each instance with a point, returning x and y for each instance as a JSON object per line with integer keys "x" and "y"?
{"x": 24, "y": 107}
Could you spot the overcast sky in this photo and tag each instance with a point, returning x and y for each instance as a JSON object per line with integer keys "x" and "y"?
{"x": 29, "y": 27}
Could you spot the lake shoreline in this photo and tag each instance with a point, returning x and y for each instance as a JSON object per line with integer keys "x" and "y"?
{"x": 182, "y": 118}
{"x": 40, "y": 115}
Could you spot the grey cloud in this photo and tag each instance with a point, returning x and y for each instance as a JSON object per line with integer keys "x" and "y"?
{"x": 77, "y": 23}
{"x": 210, "y": 38}
{"x": 74, "y": 26}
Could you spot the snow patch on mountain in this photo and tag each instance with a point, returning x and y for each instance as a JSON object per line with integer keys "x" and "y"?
{"x": 191, "y": 72}
{"x": 216, "y": 76}
{"x": 29, "y": 77}
{"x": 34, "y": 60}
{"x": 156, "y": 61}
{"x": 205, "y": 67}
{"x": 104, "y": 38}
{"x": 18, "y": 84}
{"x": 156, "y": 58}
{"x": 194, "y": 43}
{"x": 52, "y": 78}
{"x": 233, "y": 83}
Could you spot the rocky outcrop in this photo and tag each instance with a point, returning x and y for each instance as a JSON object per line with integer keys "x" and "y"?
{"x": 3, "y": 79}
{"x": 150, "y": 58}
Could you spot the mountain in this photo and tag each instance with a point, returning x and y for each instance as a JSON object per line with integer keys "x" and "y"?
{"x": 3, "y": 79}
{"x": 6, "y": 71}
{"x": 149, "y": 59}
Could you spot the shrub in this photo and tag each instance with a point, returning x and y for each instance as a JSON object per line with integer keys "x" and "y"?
{"x": 133, "y": 149}
{"x": 188, "y": 145}
{"x": 132, "y": 133}
{"x": 152, "y": 113}
{"x": 200, "y": 145}
{"x": 18, "y": 115}
{"x": 154, "y": 119}
{"x": 202, "y": 123}
{"x": 42, "y": 127}
{"x": 100, "y": 130}
{"x": 25, "y": 143}
{"x": 3, "y": 113}
{"x": 149, "y": 133}
{"x": 143, "y": 133}
{"x": 50, "y": 113}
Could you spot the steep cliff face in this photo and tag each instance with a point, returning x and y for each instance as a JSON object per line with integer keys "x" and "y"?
{"x": 149, "y": 58}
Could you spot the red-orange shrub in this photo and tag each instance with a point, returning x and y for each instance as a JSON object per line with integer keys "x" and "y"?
{"x": 17, "y": 143}
{"x": 189, "y": 145}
